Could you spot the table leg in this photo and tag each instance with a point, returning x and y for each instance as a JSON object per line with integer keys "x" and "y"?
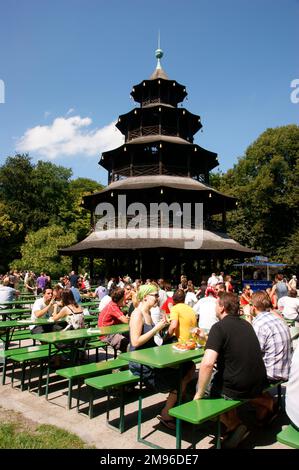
{"x": 48, "y": 372}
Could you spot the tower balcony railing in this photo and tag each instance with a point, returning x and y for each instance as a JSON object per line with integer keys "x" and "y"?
{"x": 153, "y": 169}
{"x": 158, "y": 100}
{"x": 145, "y": 131}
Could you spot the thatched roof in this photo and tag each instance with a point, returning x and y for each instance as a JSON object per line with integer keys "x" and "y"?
{"x": 101, "y": 241}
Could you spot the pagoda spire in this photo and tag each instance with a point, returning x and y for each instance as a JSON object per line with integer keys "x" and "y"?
{"x": 159, "y": 72}
{"x": 159, "y": 53}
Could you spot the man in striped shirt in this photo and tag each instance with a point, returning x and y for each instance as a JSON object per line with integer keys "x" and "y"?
{"x": 275, "y": 342}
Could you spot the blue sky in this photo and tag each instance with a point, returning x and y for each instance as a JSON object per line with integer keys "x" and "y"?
{"x": 68, "y": 67}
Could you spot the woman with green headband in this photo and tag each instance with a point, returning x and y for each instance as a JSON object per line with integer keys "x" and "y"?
{"x": 142, "y": 332}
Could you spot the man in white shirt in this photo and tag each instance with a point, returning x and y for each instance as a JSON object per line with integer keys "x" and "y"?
{"x": 7, "y": 293}
{"x": 205, "y": 308}
{"x": 289, "y": 305}
{"x": 44, "y": 307}
{"x": 213, "y": 280}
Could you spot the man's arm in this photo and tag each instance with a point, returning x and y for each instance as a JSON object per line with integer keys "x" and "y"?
{"x": 205, "y": 372}
{"x": 43, "y": 311}
{"x": 172, "y": 327}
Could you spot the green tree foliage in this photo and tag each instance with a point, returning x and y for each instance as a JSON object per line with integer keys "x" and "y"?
{"x": 33, "y": 193}
{"x": 40, "y": 251}
{"x": 33, "y": 196}
{"x": 265, "y": 182}
{"x": 72, "y": 214}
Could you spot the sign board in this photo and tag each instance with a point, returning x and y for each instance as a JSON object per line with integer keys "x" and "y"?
{"x": 258, "y": 285}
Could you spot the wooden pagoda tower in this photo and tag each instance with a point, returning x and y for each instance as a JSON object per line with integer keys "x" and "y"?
{"x": 158, "y": 163}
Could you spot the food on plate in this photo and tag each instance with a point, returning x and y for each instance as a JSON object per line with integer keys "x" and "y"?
{"x": 185, "y": 346}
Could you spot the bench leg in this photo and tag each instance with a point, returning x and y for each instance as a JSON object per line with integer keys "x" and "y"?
{"x": 91, "y": 398}
{"x": 23, "y": 376}
{"x": 69, "y": 394}
{"x": 139, "y": 417}
{"x": 29, "y": 377}
{"x": 178, "y": 433}
{"x": 4, "y": 370}
{"x": 78, "y": 393}
{"x": 40, "y": 378}
{"x": 122, "y": 411}
{"x": 12, "y": 373}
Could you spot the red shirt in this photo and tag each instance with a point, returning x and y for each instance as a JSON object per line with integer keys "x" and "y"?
{"x": 110, "y": 315}
{"x": 165, "y": 306}
{"x": 244, "y": 300}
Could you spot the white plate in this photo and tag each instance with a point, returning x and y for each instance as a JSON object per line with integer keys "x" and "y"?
{"x": 184, "y": 350}
{"x": 94, "y": 330}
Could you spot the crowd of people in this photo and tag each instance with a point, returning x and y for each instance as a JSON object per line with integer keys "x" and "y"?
{"x": 244, "y": 332}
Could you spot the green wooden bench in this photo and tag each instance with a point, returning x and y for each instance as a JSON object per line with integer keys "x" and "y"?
{"x": 5, "y": 355}
{"x": 289, "y": 436}
{"x": 107, "y": 382}
{"x": 85, "y": 371}
{"x": 198, "y": 411}
{"x": 41, "y": 355}
{"x": 96, "y": 344}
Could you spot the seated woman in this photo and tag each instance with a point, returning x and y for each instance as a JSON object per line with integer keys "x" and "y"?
{"x": 112, "y": 315}
{"x": 71, "y": 311}
{"x": 245, "y": 298}
{"x": 142, "y": 332}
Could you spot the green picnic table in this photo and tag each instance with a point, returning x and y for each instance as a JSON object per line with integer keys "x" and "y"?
{"x": 71, "y": 336}
{"x": 13, "y": 312}
{"x": 18, "y": 302}
{"x": 7, "y": 328}
{"x": 159, "y": 357}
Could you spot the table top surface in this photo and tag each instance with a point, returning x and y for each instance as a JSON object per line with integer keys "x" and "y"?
{"x": 161, "y": 356}
{"x": 13, "y": 323}
{"x": 19, "y": 302}
{"x": 82, "y": 333}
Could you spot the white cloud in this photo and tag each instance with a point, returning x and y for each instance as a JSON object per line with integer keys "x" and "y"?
{"x": 46, "y": 114}
{"x": 69, "y": 136}
{"x": 70, "y": 111}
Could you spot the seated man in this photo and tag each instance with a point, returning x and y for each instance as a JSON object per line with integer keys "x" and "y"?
{"x": 206, "y": 309}
{"x": 44, "y": 307}
{"x": 275, "y": 343}
{"x": 182, "y": 318}
{"x": 234, "y": 347}
{"x": 7, "y": 293}
{"x": 112, "y": 315}
{"x": 289, "y": 306}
